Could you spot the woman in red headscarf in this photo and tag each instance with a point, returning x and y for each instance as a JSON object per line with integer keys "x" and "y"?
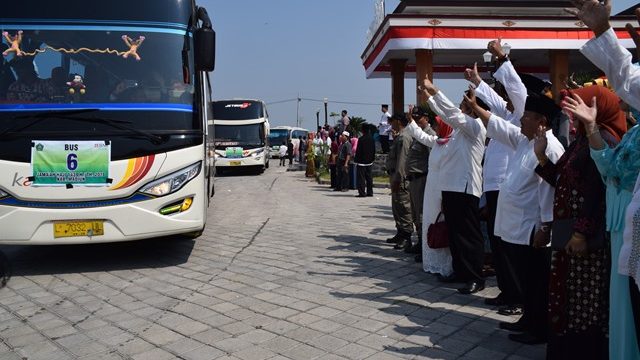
{"x": 579, "y": 284}
{"x": 435, "y": 261}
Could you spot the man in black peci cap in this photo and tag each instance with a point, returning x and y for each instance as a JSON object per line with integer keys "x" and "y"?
{"x": 525, "y": 210}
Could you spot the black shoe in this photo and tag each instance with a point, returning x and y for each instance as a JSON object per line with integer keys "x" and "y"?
{"x": 418, "y": 258}
{"x": 471, "y": 287}
{"x": 361, "y": 195}
{"x": 402, "y": 244}
{"x": 517, "y": 326}
{"x": 337, "y": 189}
{"x": 496, "y": 301}
{"x": 449, "y": 279}
{"x": 510, "y": 310}
{"x": 369, "y": 195}
{"x": 527, "y": 338}
{"x": 394, "y": 239}
{"x": 409, "y": 249}
{"x": 416, "y": 249}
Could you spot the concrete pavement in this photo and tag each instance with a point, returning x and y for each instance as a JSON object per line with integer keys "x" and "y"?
{"x": 285, "y": 269}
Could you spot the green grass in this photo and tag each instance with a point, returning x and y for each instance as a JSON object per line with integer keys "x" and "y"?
{"x": 325, "y": 176}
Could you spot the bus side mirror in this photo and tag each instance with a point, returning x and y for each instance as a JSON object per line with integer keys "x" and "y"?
{"x": 205, "y": 44}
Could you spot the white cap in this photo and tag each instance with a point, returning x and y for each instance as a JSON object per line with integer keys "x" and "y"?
{"x": 345, "y": 133}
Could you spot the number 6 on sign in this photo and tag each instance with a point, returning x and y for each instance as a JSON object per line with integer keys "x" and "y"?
{"x": 72, "y": 162}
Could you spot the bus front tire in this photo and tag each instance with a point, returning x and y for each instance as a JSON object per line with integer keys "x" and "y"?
{"x": 193, "y": 235}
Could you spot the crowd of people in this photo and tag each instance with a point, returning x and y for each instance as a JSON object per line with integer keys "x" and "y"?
{"x": 556, "y": 178}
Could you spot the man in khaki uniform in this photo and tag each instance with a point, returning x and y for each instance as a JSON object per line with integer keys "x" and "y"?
{"x": 396, "y": 167}
{"x": 417, "y": 166}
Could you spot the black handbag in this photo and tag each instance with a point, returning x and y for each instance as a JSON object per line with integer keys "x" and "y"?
{"x": 562, "y": 229}
{"x": 438, "y": 234}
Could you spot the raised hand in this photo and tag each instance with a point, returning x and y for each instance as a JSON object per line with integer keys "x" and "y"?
{"x": 470, "y": 97}
{"x": 570, "y": 83}
{"x": 540, "y": 144}
{"x": 593, "y": 13}
{"x": 586, "y": 114}
{"x": 408, "y": 116}
{"x": 634, "y": 34}
{"x": 495, "y": 48}
{"x": 428, "y": 88}
{"x": 472, "y": 75}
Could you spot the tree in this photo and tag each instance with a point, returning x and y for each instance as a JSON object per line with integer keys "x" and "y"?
{"x": 356, "y": 125}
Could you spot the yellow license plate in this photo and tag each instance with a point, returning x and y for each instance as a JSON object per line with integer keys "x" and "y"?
{"x": 78, "y": 228}
{"x": 235, "y": 163}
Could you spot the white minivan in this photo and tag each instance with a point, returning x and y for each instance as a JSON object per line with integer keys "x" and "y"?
{"x": 285, "y": 134}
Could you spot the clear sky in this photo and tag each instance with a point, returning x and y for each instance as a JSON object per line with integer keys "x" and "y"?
{"x": 274, "y": 50}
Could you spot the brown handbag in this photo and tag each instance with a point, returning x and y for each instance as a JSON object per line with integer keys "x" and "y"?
{"x": 438, "y": 234}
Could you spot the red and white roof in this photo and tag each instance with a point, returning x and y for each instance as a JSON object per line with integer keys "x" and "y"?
{"x": 459, "y": 40}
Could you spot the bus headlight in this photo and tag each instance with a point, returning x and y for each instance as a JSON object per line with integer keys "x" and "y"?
{"x": 257, "y": 153}
{"x": 3, "y": 194}
{"x": 172, "y": 182}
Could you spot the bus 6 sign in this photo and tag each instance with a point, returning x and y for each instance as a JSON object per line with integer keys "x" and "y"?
{"x": 57, "y": 163}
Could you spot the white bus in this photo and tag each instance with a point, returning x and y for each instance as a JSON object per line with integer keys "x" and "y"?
{"x": 112, "y": 147}
{"x": 241, "y": 134}
{"x": 280, "y": 134}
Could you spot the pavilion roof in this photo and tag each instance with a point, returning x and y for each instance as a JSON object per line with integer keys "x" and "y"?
{"x": 457, "y": 32}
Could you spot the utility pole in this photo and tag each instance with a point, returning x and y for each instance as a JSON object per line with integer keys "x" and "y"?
{"x": 298, "y": 111}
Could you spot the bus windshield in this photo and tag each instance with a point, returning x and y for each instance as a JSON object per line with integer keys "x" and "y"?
{"x": 251, "y": 135}
{"x": 237, "y": 110}
{"x": 68, "y": 66}
{"x": 85, "y": 82}
{"x": 278, "y": 136}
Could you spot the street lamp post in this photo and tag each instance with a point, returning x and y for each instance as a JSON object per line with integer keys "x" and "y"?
{"x": 487, "y": 57}
{"x": 326, "y": 119}
{"x": 318, "y": 118}
{"x": 506, "y": 48}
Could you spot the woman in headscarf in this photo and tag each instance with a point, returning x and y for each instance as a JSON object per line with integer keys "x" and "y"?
{"x": 619, "y": 167}
{"x": 311, "y": 164}
{"x": 579, "y": 284}
{"x": 435, "y": 261}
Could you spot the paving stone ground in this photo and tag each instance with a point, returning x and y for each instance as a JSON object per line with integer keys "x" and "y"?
{"x": 286, "y": 269}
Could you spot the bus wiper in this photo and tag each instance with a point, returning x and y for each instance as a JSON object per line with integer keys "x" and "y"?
{"x": 119, "y": 124}
{"x": 69, "y": 115}
{"x": 39, "y": 117}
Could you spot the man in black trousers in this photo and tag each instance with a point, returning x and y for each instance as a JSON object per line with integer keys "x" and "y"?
{"x": 365, "y": 156}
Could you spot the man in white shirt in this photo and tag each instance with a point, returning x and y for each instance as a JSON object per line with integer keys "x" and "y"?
{"x": 606, "y": 52}
{"x": 461, "y": 184}
{"x": 344, "y": 121}
{"x": 384, "y": 129}
{"x": 496, "y": 158}
{"x": 525, "y": 210}
{"x": 282, "y": 152}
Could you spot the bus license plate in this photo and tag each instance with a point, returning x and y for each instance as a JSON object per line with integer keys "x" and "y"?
{"x": 235, "y": 163}
{"x": 78, "y": 228}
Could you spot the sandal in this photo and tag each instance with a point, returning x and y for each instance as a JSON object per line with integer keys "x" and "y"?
{"x": 510, "y": 310}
